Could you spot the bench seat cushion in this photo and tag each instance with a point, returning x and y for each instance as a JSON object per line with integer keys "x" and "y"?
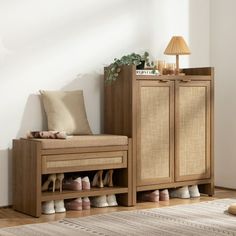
{"x": 84, "y": 141}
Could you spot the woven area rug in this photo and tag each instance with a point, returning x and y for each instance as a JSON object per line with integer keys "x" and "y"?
{"x": 206, "y": 218}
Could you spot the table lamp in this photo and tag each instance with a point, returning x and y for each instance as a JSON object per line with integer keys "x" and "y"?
{"x": 177, "y": 46}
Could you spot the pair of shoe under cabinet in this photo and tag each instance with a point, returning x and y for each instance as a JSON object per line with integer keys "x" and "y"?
{"x": 35, "y": 159}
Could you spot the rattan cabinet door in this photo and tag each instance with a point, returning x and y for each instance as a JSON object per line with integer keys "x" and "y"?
{"x": 192, "y": 130}
{"x": 155, "y": 132}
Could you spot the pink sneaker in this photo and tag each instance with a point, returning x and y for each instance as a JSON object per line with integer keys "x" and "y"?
{"x": 85, "y": 203}
{"x": 150, "y": 196}
{"x": 74, "y": 205}
{"x": 164, "y": 195}
{"x": 85, "y": 183}
{"x": 72, "y": 184}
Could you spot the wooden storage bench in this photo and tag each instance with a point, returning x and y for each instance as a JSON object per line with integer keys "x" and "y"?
{"x": 33, "y": 158}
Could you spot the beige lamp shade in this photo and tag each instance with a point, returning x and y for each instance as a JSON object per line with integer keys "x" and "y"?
{"x": 177, "y": 46}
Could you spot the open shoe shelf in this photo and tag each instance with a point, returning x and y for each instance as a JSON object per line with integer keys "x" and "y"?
{"x": 66, "y": 194}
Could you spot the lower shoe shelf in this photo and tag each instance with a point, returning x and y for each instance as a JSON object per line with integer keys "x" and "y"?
{"x": 47, "y": 196}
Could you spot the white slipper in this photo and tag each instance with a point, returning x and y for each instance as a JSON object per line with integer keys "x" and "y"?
{"x": 59, "y": 206}
{"x": 48, "y": 207}
{"x": 100, "y": 201}
{"x": 111, "y": 200}
{"x": 182, "y": 192}
{"x": 193, "y": 191}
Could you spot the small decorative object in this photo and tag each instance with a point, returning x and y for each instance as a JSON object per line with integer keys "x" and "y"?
{"x": 160, "y": 66}
{"x": 169, "y": 69}
{"x": 132, "y": 59}
{"x": 47, "y": 134}
{"x": 177, "y": 46}
{"x": 232, "y": 209}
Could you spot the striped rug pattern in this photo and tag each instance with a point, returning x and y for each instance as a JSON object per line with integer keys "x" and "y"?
{"x": 206, "y": 218}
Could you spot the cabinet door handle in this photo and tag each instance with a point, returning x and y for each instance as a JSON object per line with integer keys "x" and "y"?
{"x": 185, "y": 80}
{"x": 163, "y": 80}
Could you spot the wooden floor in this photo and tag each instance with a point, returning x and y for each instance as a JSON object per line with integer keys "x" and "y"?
{"x": 9, "y": 217}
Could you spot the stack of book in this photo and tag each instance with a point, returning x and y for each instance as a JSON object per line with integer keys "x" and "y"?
{"x": 147, "y": 72}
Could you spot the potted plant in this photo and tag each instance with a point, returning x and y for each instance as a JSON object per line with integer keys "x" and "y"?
{"x": 131, "y": 59}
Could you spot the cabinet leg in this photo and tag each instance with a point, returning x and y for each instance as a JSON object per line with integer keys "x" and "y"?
{"x": 207, "y": 189}
{"x": 124, "y": 200}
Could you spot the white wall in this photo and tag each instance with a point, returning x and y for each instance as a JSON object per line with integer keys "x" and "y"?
{"x": 223, "y": 51}
{"x": 60, "y": 44}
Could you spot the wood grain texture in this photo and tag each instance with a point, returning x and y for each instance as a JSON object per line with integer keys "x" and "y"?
{"x": 27, "y": 177}
{"x": 129, "y": 83}
{"x": 118, "y": 104}
{"x": 47, "y": 196}
{"x": 83, "y": 150}
{"x": 199, "y": 71}
{"x": 31, "y": 162}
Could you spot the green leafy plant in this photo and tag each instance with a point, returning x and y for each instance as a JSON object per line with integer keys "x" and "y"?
{"x": 112, "y": 71}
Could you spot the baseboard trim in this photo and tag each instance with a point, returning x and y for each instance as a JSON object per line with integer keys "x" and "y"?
{"x": 7, "y": 206}
{"x": 225, "y": 188}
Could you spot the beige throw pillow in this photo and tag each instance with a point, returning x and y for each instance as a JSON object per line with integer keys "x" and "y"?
{"x": 65, "y": 111}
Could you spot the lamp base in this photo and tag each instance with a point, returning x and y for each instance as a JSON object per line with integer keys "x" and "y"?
{"x": 177, "y": 65}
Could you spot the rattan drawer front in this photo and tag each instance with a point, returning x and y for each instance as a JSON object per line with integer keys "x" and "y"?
{"x": 83, "y": 161}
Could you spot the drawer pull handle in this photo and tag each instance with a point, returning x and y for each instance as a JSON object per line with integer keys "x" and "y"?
{"x": 185, "y": 80}
{"x": 163, "y": 80}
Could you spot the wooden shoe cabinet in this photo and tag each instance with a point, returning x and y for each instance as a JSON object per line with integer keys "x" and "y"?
{"x": 170, "y": 119}
{"x": 32, "y": 160}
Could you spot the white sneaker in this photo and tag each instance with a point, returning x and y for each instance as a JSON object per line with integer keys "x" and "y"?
{"x": 111, "y": 200}
{"x": 100, "y": 201}
{"x": 193, "y": 191}
{"x": 59, "y": 206}
{"x": 182, "y": 192}
{"x": 48, "y": 207}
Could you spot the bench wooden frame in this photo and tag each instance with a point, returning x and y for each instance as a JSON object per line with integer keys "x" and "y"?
{"x": 31, "y": 161}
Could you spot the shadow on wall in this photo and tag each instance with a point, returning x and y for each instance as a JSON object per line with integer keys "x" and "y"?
{"x": 199, "y": 33}
{"x": 34, "y": 117}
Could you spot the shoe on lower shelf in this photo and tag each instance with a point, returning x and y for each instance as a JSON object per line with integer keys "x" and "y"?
{"x": 48, "y": 207}
{"x": 111, "y": 200}
{"x": 59, "y": 206}
{"x": 72, "y": 184}
{"x": 85, "y": 203}
{"x": 181, "y": 192}
{"x": 99, "y": 201}
{"x": 164, "y": 195}
{"x": 193, "y": 191}
{"x": 74, "y": 205}
{"x": 150, "y": 196}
